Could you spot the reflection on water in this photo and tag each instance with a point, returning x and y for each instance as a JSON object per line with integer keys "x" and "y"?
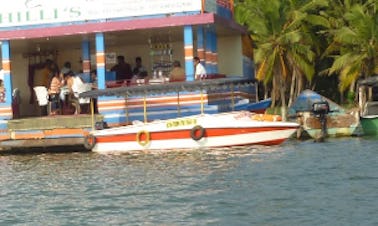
{"x": 305, "y": 183}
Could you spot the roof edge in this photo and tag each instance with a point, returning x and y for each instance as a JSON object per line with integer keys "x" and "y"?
{"x": 108, "y": 26}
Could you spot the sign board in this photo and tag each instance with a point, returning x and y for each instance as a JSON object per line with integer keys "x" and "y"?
{"x": 40, "y": 12}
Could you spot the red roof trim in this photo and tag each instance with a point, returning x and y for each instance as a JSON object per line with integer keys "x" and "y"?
{"x": 87, "y": 28}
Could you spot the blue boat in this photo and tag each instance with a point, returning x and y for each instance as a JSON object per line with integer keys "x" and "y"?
{"x": 257, "y": 107}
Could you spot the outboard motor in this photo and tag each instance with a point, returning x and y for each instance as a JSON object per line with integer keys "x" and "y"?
{"x": 320, "y": 110}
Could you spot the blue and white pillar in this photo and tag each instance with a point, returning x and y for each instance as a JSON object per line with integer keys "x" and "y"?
{"x": 201, "y": 44}
{"x": 86, "y": 57}
{"x": 100, "y": 60}
{"x": 208, "y": 51}
{"x": 6, "y": 106}
{"x": 214, "y": 50}
{"x": 188, "y": 47}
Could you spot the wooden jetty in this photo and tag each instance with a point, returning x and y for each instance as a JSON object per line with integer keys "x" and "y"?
{"x": 48, "y": 131}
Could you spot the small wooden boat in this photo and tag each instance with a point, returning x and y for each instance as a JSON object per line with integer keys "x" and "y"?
{"x": 368, "y": 101}
{"x": 337, "y": 120}
{"x": 200, "y": 131}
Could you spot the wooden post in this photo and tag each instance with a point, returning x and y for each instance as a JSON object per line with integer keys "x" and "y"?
{"x": 92, "y": 114}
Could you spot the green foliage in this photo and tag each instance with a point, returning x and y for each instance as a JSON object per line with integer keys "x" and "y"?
{"x": 280, "y": 30}
{"x": 293, "y": 35}
{"x": 353, "y": 37}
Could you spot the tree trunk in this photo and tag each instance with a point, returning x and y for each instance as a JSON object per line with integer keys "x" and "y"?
{"x": 341, "y": 97}
{"x": 292, "y": 88}
{"x": 273, "y": 92}
{"x": 299, "y": 85}
{"x": 266, "y": 92}
{"x": 352, "y": 91}
{"x": 283, "y": 100}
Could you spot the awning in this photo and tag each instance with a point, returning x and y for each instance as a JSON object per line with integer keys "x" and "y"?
{"x": 370, "y": 81}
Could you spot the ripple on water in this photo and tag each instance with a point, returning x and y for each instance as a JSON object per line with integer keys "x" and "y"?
{"x": 303, "y": 183}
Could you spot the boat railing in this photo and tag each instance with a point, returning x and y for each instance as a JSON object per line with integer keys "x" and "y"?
{"x": 192, "y": 86}
{"x": 163, "y": 88}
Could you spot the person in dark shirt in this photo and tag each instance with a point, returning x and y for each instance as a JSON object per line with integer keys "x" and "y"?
{"x": 122, "y": 70}
{"x": 139, "y": 70}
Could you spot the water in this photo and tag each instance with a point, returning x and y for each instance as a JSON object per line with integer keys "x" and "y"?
{"x": 297, "y": 183}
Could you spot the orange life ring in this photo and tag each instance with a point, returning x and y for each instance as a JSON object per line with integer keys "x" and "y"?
{"x": 197, "y": 132}
{"x": 146, "y": 139}
{"x": 89, "y": 142}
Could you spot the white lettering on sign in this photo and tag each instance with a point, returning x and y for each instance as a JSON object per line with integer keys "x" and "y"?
{"x": 37, "y": 12}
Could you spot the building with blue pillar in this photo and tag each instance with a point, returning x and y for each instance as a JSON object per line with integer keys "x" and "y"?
{"x": 92, "y": 37}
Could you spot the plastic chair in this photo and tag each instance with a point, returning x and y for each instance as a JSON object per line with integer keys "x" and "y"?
{"x": 42, "y": 98}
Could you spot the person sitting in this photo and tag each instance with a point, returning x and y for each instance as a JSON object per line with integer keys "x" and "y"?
{"x": 73, "y": 83}
{"x": 94, "y": 79}
{"x": 16, "y": 101}
{"x": 122, "y": 70}
{"x": 139, "y": 71}
{"x": 66, "y": 68}
{"x": 200, "y": 71}
{"x": 178, "y": 73}
{"x": 54, "y": 91}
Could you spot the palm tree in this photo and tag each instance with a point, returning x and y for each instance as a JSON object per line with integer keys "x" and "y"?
{"x": 284, "y": 46}
{"x": 354, "y": 35}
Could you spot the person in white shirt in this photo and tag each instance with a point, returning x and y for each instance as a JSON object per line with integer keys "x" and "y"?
{"x": 76, "y": 86}
{"x": 200, "y": 71}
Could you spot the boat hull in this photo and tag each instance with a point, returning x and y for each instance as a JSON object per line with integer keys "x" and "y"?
{"x": 202, "y": 131}
{"x": 370, "y": 125}
{"x": 339, "y": 121}
{"x": 338, "y": 124}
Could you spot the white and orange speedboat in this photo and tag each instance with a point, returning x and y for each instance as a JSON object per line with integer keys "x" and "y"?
{"x": 234, "y": 128}
{"x": 200, "y": 131}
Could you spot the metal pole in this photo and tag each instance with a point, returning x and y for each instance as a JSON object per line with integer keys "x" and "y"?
{"x": 126, "y": 109}
{"x": 178, "y": 104}
{"x": 92, "y": 114}
{"x": 202, "y": 107}
{"x": 145, "y": 107}
{"x": 232, "y": 97}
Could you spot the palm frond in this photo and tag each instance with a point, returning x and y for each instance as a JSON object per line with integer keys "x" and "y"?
{"x": 261, "y": 70}
{"x": 317, "y": 20}
{"x": 348, "y": 75}
{"x": 341, "y": 62}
